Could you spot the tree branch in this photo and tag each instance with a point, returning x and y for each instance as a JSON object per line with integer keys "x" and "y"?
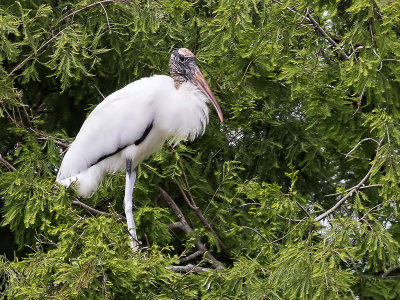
{"x": 192, "y": 204}
{"x": 188, "y": 269}
{"x": 89, "y": 208}
{"x": 325, "y": 35}
{"x": 191, "y": 256}
{"x": 93, "y": 210}
{"x": 44, "y": 44}
{"x": 359, "y": 143}
{"x": 185, "y": 227}
{"x": 351, "y": 191}
{"x": 9, "y": 166}
{"x": 318, "y": 27}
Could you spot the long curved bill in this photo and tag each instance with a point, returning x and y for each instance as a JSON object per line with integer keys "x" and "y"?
{"x": 201, "y": 83}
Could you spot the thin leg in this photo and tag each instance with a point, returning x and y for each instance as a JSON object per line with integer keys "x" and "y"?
{"x": 128, "y": 200}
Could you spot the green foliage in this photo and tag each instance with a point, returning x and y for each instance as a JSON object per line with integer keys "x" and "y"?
{"x": 300, "y": 183}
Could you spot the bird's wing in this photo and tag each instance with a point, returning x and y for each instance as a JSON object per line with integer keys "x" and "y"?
{"x": 122, "y": 119}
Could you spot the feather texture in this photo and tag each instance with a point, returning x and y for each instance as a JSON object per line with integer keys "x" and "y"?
{"x": 122, "y": 118}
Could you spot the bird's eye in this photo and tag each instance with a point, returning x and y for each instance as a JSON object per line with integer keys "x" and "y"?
{"x": 181, "y": 58}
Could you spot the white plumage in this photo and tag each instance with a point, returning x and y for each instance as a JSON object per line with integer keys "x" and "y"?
{"x": 122, "y": 118}
{"x": 133, "y": 123}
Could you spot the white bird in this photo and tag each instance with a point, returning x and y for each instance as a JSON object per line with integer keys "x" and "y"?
{"x": 133, "y": 123}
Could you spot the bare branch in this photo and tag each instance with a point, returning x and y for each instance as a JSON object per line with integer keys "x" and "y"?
{"x": 359, "y": 143}
{"x": 9, "y": 166}
{"x": 256, "y": 231}
{"x": 326, "y": 36}
{"x": 188, "y": 269}
{"x": 177, "y": 225}
{"x": 91, "y": 209}
{"x": 185, "y": 227}
{"x": 87, "y": 7}
{"x": 318, "y": 27}
{"x": 387, "y": 272}
{"x": 192, "y": 204}
{"x": 348, "y": 190}
{"x": 351, "y": 191}
{"x": 191, "y": 256}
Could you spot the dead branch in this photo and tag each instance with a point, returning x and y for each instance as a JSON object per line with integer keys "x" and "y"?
{"x": 93, "y": 210}
{"x": 359, "y": 143}
{"x": 192, "y": 204}
{"x": 89, "y": 208}
{"x": 188, "y": 269}
{"x": 191, "y": 256}
{"x": 87, "y": 7}
{"x": 186, "y": 228}
{"x": 348, "y": 190}
{"x": 351, "y": 191}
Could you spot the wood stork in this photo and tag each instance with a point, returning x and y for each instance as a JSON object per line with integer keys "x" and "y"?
{"x": 133, "y": 123}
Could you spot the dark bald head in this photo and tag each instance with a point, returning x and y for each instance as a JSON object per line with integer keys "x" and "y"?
{"x": 182, "y": 66}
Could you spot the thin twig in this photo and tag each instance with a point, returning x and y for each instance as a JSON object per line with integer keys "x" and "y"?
{"x": 348, "y": 190}
{"x": 351, "y": 191}
{"x": 373, "y": 208}
{"x": 37, "y": 50}
{"x": 307, "y": 16}
{"x": 257, "y": 232}
{"x": 302, "y": 207}
{"x": 87, "y": 7}
{"x": 89, "y": 208}
{"x": 326, "y": 36}
{"x": 359, "y": 143}
{"x": 192, "y": 204}
{"x": 108, "y": 21}
{"x": 186, "y": 227}
{"x": 290, "y": 231}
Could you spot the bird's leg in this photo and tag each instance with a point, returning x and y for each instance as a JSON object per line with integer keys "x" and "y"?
{"x": 128, "y": 203}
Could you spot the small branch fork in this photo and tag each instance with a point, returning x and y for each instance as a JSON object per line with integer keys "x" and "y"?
{"x": 351, "y": 190}
{"x": 183, "y": 224}
{"x": 307, "y": 16}
{"x": 192, "y": 205}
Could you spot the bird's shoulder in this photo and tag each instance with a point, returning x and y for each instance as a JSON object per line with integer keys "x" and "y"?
{"x": 138, "y": 92}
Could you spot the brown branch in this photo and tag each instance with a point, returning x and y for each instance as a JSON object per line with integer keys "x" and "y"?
{"x": 186, "y": 227}
{"x": 89, "y": 208}
{"x": 192, "y": 204}
{"x": 43, "y": 136}
{"x": 9, "y": 166}
{"x": 92, "y": 210}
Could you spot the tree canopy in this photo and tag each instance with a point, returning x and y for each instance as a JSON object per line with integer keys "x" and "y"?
{"x": 294, "y": 196}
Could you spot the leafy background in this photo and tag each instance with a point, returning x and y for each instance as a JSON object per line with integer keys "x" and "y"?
{"x": 295, "y": 196}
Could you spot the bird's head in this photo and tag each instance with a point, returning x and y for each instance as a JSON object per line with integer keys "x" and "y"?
{"x": 183, "y": 68}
